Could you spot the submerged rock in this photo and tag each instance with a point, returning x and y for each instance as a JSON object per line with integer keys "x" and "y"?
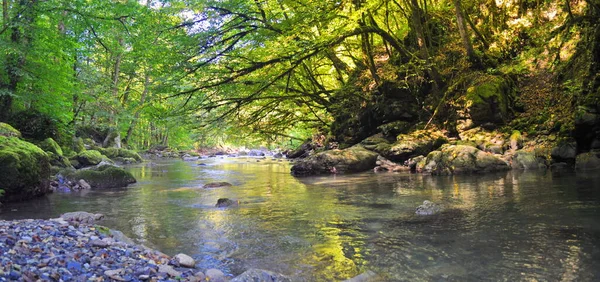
{"x": 226, "y": 202}
{"x": 455, "y": 159}
{"x": 353, "y": 159}
{"x": 216, "y": 184}
{"x": 428, "y": 208}
{"x": 24, "y": 169}
{"x": 82, "y": 217}
{"x": 259, "y": 275}
{"x": 368, "y": 276}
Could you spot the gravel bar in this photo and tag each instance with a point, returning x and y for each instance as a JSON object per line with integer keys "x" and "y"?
{"x": 55, "y": 250}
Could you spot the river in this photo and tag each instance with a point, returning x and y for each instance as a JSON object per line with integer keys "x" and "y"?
{"x": 515, "y": 226}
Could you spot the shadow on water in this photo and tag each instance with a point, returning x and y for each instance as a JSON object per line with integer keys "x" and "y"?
{"x": 510, "y": 226}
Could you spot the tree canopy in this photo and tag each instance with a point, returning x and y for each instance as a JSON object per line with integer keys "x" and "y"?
{"x": 209, "y": 72}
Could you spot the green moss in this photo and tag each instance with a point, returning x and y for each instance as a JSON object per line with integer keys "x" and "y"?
{"x": 489, "y": 99}
{"x": 90, "y": 157}
{"x": 49, "y": 145}
{"x": 124, "y": 153}
{"x": 8, "y": 131}
{"x": 117, "y": 154}
{"x": 105, "y": 176}
{"x": 24, "y": 169}
{"x": 78, "y": 145}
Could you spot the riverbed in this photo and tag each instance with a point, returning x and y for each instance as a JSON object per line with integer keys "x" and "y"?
{"x": 513, "y": 226}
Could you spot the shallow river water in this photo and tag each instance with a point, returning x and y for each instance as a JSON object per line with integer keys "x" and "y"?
{"x": 516, "y": 226}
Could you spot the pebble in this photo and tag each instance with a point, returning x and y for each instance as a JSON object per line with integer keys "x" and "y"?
{"x": 50, "y": 250}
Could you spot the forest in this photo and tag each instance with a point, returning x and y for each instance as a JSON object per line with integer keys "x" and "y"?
{"x": 189, "y": 74}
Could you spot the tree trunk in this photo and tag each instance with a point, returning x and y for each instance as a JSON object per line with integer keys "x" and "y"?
{"x": 4, "y": 13}
{"x": 417, "y": 25}
{"x": 139, "y": 109}
{"x": 462, "y": 29}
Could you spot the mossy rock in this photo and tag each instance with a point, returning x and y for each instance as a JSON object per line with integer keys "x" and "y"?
{"x": 49, "y": 145}
{"x": 416, "y": 143}
{"x": 105, "y": 176}
{"x": 353, "y": 159}
{"x": 489, "y": 99}
{"x": 24, "y": 169}
{"x": 119, "y": 154}
{"x": 527, "y": 161}
{"x": 456, "y": 159}
{"x": 78, "y": 145}
{"x": 395, "y": 128}
{"x": 8, "y": 131}
{"x": 588, "y": 161}
{"x": 89, "y": 158}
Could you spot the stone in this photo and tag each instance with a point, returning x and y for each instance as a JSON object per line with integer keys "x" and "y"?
{"x": 455, "y": 159}
{"x": 89, "y": 158}
{"x": 185, "y": 260}
{"x": 99, "y": 243}
{"x": 215, "y": 275}
{"x": 527, "y": 161}
{"x": 24, "y": 170}
{"x": 253, "y": 275}
{"x": 200, "y": 276}
{"x": 564, "y": 152}
{"x": 428, "y": 208}
{"x": 82, "y": 217}
{"x": 226, "y": 202}
{"x": 367, "y": 276}
{"x": 406, "y": 146}
{"x": 302, "y": 151}
{"x": 7, "y": 130}
{"x": 163, "y": 268}
{"x": 104, "y": 176}
{"x": 353, "y": 159}
{"x": 216, "y": 185}
{"x": 489, "y": 99}
{"x": 84, "y": 185}
{"x": 588, "y": 161}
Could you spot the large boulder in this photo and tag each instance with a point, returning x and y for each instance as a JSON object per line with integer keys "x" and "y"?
{"x": 454, "y": 159}
{"x": 488, "y": 99}
{"x": 302, "y": 151}
{"x": 406, "y": 146}
{"x": 55, "y": 153}
{"x": 24, "y": 169}
{"x": 485, "y": 140}
{"x": 353, "y": 159}
{"x": 89, "y": 158}
{"x": 254, "y": 275}
{"x": 588, "y": 161}
{"x": 564, "y": 152}
{"x": 120, "y": 154}
{"x": 104, "y": 176}
{"x": 527, "y": 160}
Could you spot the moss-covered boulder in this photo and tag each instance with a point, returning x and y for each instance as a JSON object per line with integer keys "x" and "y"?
{"x": 527, "y": 161}
{"x": 105, "y": 176}
{"x": 353, "y": 159}
{"x": 486, "y": 140}
{"x": 8, "y": 131}
{"x": 419, "y": 142}
{"x": 24, "y": 169}
{"x": 455, "y": 159}
{"x": 588, "y": 161}
{"x": 489, "y": 99}
{"x": 50, "y": 146}
{"x": 78, "y": 145}
{"x": 119, "y": 154}
{"x": 89, "y": 158}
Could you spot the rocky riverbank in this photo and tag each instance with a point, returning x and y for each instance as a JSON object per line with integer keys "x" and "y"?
{"x": 60, "y": 250}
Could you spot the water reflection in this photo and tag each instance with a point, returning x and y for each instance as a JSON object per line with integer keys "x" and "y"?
{"x": 509, "y": 226}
